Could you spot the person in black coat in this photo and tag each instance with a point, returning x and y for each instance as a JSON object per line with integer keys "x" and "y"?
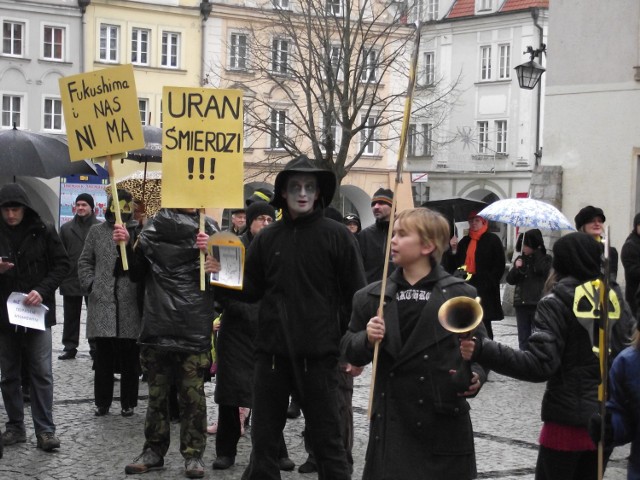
{"x": 73, "y": 235}
{"x": 373, "y": 239}
{"x": 529, "y": 273}
{"x": 479, "y": 258}
{"x": 33, "y": 263}
{"x": 630, "y": 256}
{"x": 420, "y": 423}
{"x": 561, "y": 352}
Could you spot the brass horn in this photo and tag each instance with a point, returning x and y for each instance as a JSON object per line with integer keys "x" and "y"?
{"x": 460, "y": 314}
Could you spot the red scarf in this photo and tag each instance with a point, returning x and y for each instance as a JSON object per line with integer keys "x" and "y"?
{"x": 470, "y": 260}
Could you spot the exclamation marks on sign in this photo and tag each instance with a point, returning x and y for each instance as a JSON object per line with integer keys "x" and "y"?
{"x": 202, "y": 165}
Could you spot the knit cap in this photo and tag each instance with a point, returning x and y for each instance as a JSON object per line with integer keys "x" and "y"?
{"x": 85, "y": 197}
{"x": 383, "y": 195}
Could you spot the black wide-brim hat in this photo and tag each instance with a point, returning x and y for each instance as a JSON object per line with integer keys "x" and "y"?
{"x": 302, "y": 164}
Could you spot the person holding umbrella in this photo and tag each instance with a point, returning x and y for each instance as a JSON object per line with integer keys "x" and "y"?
{"x": 479, "y": 258}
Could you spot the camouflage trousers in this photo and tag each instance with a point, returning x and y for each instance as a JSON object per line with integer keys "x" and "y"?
{"x": 186, "y": 371}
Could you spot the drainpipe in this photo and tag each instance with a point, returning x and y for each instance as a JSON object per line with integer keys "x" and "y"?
{"x": 205, "y": 11}
{"x": 82, "y": 4}
{"x": 538, "y": 153}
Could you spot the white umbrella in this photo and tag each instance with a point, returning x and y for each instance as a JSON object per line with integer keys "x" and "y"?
{"x": 526, "y": 212}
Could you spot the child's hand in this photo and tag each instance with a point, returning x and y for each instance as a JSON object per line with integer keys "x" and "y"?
{"x": 375, "y": 330}
{"x": 467, "y": 346}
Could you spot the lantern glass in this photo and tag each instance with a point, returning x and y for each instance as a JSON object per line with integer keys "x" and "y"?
{"x": 529, "y": 74}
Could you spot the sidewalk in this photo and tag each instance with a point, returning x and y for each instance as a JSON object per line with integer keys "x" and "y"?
{"x": 506, "y": 420}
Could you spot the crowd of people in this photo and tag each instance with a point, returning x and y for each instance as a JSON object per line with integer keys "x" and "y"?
{"x": 154, "y": 319}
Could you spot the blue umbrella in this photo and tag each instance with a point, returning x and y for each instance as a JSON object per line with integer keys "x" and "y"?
{"x": 526, "y": 212}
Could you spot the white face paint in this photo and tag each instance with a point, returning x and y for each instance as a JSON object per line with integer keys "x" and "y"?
{"x": 301, "y": 193}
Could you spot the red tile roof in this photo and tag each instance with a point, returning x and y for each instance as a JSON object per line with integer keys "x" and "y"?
{"x": 466, "y": 8}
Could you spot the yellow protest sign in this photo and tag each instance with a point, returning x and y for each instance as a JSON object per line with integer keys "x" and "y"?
{"x": 101, "y": 112}
{"x": 202, "y": 164}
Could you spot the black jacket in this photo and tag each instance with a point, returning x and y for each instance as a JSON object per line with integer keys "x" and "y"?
{"x": 73, "y": 234}
{"x": 560, "y": 353}
{"x": 630, "y": 256}
{"x": 529, "y": 278}
{"x": 373, "y": 244}
{"x": 41, "y": 261}
{"x": 305, "y": 271}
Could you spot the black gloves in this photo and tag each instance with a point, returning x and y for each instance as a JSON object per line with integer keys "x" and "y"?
{"x": 595, "y": 429}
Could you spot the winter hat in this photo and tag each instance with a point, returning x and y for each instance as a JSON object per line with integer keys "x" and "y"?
{"x": 302, "y": 164}
{"x": 473, "y": 214}
{"x": 259, "y": 195}
{"x": 587, "y": 214}
{"x": 237, "y": 210}
{"x": 85, "y": 197}
{"x": 577, "y": 255}
{"x": 383, "y": 195}
{"x": 352, "y": 218}
{"x": 259, "y": 208}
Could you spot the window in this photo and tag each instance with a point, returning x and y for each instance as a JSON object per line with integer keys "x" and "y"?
{"x": 278, "y": 129}
{"x": 13, "y": 39}
{"x": 140, "y": 46}
{"x": 280, "y": 56}
{"x": 52, "y": 116}
{"x": 334, "y": 7}
{"x": 484, "y": 5}
{"x": 109, "y": 43}
{"x": 281, "y": 4}
{"x": 426, "y": 10}
{"x": 367, "y": 135}
{"x": 427, "y": 139}
{"x": 419, "y": 139}
{"x": 336, "y": 59}
{"x": 428, "y": 69}
{"x": 143, "y": 107}
{"x": 485, "y": 63}
{"x": 369, "y": 61}
{"x": 412, "y": 140}
{"x": 11, "y": 110}
{"x": 483, "y": 137}
{"x": 501, "y": 136}
{"x": 504, "y": 61}
{"x": 53, "y": 43}
{"x": 432, "y": 10}
{"x": 170, "y": 49}
{"x": 238, "y": 51}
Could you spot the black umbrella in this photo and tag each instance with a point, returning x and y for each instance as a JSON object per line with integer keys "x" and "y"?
{"x": 30, "y": 154}
{"x": 152, "y": 151}
{"x": 457, "y": 208}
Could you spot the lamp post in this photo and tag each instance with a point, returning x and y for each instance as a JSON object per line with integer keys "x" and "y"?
{"x": 529, "y": 75}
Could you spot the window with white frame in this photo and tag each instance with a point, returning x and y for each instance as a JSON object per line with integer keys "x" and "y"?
{"x": 483, "y": 5}
{"x": 238, "y": 50}
{"x": 281, "y": 4}
{"x": 170, "y": 57}
{"x": 109, "y": 43}
{"x": 143, "y": 107}
{"x": 504, "y": 61}
{"x": 13, "y": 38}
{"x": 336, "y": 58}
{"x": 52, "y": 119}
{"x": 483, "y": 137}
{"x": 11, "y": 110}
{"x": 334, "y": 7}
{"x": 329, "y": 127}
{"x": 427, "y": 139}
{"x": 53, "y": 43}
{"x": 278, "y": 129}
{"x": 501, "y": 136}
{"x": 428, "y": 68}
{"x": 426, "y": 10}
{"x": 280, "y": 56}
{"x": 140, "y": 46}
{"x": 412, "y": 140}
{"x": 368, "y": 135}
{"x": 369, "y": 61}
{"x": 485, "y": 62}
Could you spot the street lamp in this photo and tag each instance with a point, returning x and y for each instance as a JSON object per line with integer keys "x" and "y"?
{"x": 83, "y": 4}
{"x": 529, "y": 73}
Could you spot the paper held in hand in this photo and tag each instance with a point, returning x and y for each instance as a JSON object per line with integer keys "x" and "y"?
{"x": 229, "y": 251}
{"x": 25, "y": 315}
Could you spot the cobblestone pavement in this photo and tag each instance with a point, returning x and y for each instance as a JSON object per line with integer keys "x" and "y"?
{"x": 505, "y": 419}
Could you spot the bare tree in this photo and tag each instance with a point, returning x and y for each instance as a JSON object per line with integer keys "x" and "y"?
{"x": 328, "y": 78}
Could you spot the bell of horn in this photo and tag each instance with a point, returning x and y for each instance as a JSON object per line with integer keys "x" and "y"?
{"x": 460, "y": 314}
